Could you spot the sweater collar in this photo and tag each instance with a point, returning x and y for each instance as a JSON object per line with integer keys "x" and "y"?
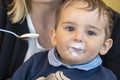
{"x": 55, "y": 61}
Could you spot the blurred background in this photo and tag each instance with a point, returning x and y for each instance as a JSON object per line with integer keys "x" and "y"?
{"x": 114, "y": 4}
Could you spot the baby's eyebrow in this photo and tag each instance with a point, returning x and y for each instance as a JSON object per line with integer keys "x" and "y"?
{"x": 68, "y": 22}
{"x": 94, "y": 27}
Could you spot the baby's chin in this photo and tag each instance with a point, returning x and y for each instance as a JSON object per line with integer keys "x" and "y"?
{"x": 73, "y": 60}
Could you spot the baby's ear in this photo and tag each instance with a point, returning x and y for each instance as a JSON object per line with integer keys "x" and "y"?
{"x": 53, "y": 37}
{"x": 106, "y": 46}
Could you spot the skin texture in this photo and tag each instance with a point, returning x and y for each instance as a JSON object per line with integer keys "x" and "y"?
{"x": 79, "y": 26}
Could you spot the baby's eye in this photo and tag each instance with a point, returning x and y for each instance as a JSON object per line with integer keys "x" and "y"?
{"x": 69, "y": 28}
{"x": 92, "y": 33}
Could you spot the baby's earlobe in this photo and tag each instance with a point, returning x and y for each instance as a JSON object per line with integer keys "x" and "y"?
{"x": 106, "y": 46}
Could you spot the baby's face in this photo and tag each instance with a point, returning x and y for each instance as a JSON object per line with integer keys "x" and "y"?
{"x": 80, "y": 36}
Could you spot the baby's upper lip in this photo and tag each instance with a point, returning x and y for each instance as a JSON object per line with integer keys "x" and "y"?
{"x": 77, "y": 47}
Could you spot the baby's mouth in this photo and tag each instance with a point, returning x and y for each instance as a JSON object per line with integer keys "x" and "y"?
{"x": 76, "y": 48}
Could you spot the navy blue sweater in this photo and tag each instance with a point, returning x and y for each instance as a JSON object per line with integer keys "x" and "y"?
{"x": 38, "y": 66}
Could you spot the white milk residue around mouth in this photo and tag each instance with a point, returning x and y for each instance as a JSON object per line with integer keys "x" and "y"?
{"x": 76, "y": 48}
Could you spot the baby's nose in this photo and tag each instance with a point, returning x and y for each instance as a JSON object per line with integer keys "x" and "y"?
{"x": 78, "y": 37}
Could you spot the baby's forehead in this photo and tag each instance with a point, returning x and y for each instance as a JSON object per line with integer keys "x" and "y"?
{"x": 77, "y": 4}
{"x": 70, "y": 8}
{"x": 69, "y": 13}
{"x": 85, "y": 6}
